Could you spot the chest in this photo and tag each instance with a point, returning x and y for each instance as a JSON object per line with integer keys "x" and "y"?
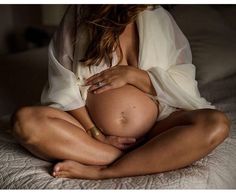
{"x": 129, "y": 43}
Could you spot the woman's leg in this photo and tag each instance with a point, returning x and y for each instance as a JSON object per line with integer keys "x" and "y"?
{"x": 52, "y": 134}
{"x": 175, "y": 142}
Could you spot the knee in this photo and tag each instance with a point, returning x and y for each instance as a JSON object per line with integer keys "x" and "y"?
{"x": 26, "y": 121}
{"x": 216, "y": 126}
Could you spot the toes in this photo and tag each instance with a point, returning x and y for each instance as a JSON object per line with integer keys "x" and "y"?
{"x": 61, "y": 170}
{"x": 71, "y": 169}
{"x": 57, "y": 167}
{"x": 61, "y": 174}
{"x": 57, "y": 170}
{"x": 54, "y": 174}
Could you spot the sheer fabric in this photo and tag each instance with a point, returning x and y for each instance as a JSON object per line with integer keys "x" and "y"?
{"x": 62, "y": 90}
{"x": 166, "y": 55}
{"x": 164, "y": 52}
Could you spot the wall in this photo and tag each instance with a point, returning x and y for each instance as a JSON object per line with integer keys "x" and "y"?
{"x": 52, "y": 14}
{"x": 15, "y": 19}
{"x": 6, "y": 19}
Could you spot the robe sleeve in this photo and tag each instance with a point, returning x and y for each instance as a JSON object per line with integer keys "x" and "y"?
{"x": 169, "y": 64}
{"x": 61, "y": 90}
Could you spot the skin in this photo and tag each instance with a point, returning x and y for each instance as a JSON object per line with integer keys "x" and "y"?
{"x": 133, "y": 112}
{"x": 172, "y": 143}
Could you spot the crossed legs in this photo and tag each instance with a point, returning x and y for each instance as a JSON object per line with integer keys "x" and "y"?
{"x": 195, "y": 134}
{"x": 175, "y": 142}
{"x": 52, "y": 134}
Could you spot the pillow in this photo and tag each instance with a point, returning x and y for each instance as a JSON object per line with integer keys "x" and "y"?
{"x": 212, "y": 38}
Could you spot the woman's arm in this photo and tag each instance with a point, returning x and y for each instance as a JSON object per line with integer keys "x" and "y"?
{"x": 118, "y": 76}
{"x": 82, "y": 115}
{"x": 140, "y": 79}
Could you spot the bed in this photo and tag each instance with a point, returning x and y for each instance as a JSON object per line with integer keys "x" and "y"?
{"x": 211, "y": 31}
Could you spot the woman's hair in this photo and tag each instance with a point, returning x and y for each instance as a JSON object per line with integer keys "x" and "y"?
{"x": 106, "y": 23}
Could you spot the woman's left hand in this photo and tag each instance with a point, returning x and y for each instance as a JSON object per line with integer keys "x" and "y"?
{"x": 114, "y": 77}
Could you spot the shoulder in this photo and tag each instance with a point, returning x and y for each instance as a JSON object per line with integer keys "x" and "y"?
{"x": 155, "y": 14}
{"x": 155, "y": 9}
{"x": 157, "y": 19}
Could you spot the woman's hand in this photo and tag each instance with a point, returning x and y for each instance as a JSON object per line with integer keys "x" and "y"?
{"x": 111, "y": 78}
{"x": 121, "y": 143}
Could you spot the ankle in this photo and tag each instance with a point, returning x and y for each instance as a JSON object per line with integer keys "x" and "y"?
{"x": 106, "y": 172}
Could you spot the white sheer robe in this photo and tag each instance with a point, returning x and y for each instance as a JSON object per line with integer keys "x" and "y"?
{"x": 164, "y": 52}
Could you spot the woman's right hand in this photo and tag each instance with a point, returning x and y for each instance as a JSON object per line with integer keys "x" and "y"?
{"x": 121, "y": 143}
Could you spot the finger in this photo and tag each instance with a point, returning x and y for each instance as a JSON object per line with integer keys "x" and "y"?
{"x": 93, "y": 76}
{"x": 95, "y": 86}
{"x": 124, "y": 146}
{"x": 95, "y": 80}
{"x": 119, "y": 146}
{"x": 103, "y": 89}
{"x": 91, "y": 88}
{"x": 91, "y": 79}
{"x": 116, "y": 144}
{"x": 113, "y": 141}
{"x": 126, "y": 140}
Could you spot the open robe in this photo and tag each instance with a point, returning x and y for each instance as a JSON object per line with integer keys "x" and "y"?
{"x": 164, "y": 52}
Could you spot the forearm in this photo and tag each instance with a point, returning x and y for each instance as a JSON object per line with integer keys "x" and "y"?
{"x": 140, "y": 79}
{"x": 82, "y": 115}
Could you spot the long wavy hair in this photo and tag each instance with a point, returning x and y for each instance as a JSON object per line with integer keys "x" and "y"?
{"x": 106, "y": 22}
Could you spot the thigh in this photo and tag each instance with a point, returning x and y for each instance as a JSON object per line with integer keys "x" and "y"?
{"x": 177, "y": 118}
{"x": 181, "y": 117}
{"x": 39, "y": 112}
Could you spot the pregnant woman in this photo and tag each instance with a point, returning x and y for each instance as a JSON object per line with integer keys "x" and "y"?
{"x": 121, "y": 98}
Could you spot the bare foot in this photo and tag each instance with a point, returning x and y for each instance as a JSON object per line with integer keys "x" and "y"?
{"x": 72, "y": 169}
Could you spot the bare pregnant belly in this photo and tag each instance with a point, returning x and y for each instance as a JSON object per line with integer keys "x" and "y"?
{"x": 125, "y": 111}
